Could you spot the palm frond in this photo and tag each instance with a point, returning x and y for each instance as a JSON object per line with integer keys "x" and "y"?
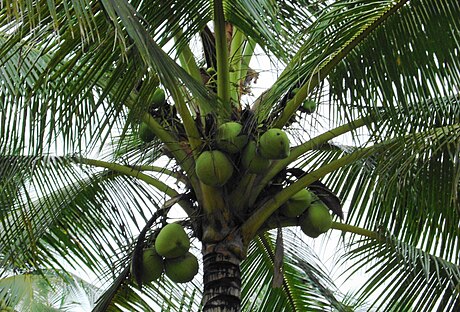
{"x": 407, "y": 69}
{"x": 417, "y": 182}
{"x": 80, "y": 16}
{"x": 410, "y": 191}
{"x": 170, "y": 73}
{"x": 41, "y": 222}
{"x": 404, "y": 275}
{"x": 47, "y": 291}
{"x": 82, "y": 87}
{"x": 62, "y": 81}
{"x": 275, "y": 26}
{"x": 171, "y": 19}
{"x": 338, "y": 28}
{"x": 306, "y": 284}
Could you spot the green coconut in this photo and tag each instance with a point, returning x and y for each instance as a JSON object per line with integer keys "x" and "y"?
{"x": 172, "y": 241}
{"x": 213, "y": 168}
{"x": 274, "y": 144}
{"x": 158, "y": 98}
{"x": 252, "y": 161}
{"x": 229, "y": 137}
{"x": 145, "y": 133}
{"x": 152, "y": 265}
{"x": 316, "y": 220}
{"x": 309, "y": 106}
{"x": 294, "y": 91}
{"x": 297, "y": 204}
{"x": 182, "y": 269}
{"x": 211, "y": 71}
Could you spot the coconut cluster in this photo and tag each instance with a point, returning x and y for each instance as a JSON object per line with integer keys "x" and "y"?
{"x": 316, "y": 220}
{"x": 157, "y": 100}
{"x": 313, "y": 214}
{"x": 169, "y": 254}
{"x": 234, "y": 147}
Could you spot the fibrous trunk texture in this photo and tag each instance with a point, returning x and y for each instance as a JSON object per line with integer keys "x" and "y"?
{"x": 222, "y": 282}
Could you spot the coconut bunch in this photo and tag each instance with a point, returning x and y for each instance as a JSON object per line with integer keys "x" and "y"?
{"x": 170, "y": 255}
{"x": 233, "y": 149}
{"x": 237, "y": 150}
{"x": 215, "y": 168}
{"x": 313, "y": 214}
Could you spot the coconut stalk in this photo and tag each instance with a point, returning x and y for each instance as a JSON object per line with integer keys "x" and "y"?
{"x": 223, "y": 85}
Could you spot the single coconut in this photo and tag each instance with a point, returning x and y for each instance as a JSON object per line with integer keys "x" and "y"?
{"x": 152, "y": 265}
{"x": 309, "y": 106}
{"x": 252, "y": 161}
{"x": 297, "y": 204}
{"x": 274, "y": 144}
{"x": 229, "y": 137}
{"x": 172, "y": 241}
{"x": 213, "y": 168}
{"x": 316, "y": 220}
{"x": 182, "y": 269}
{"x": 145, "y": 133}
{"x": 294, "y": 92}
{"x": 158, "y": 98}
{"x": 211, "y": 71}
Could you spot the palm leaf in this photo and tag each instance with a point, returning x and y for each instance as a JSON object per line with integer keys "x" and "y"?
{"x": 336, "y": 31}
{"x": 170, "y": 73}
{"x": 412, "y": 77}
{"x": 74, "y": 111}
{"x": 55, "y": 207}
{"x": 47, "y": 291}
{"x": 305, "y": 285}
{"x": 417, "y": 187}
{"x": 171, "y": 19}
{"x": 405, "y": 275}
{"x": 275, "y": 26}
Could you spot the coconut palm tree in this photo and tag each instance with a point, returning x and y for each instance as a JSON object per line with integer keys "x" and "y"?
{"x": 364, "y": 114}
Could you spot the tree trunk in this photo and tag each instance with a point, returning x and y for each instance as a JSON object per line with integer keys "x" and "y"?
{"x": 222, "y": 281}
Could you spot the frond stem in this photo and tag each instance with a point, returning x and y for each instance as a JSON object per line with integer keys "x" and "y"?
{"x": 187, "y": 59}
{"x": 236, "y": 51}
{"x": 246, "y": 58}
{"x": 128, "y": 171}
{"x": 194, "y": 138}
{"x": 223, "y": 86}
{"x": 344, "y": 227}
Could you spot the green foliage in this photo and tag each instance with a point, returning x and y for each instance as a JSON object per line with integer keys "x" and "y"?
{"x": 305, "y": 285}
{"x": 77, "y": 187}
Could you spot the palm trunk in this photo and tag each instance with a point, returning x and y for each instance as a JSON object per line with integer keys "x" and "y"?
{"x": 222, "y": 281}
